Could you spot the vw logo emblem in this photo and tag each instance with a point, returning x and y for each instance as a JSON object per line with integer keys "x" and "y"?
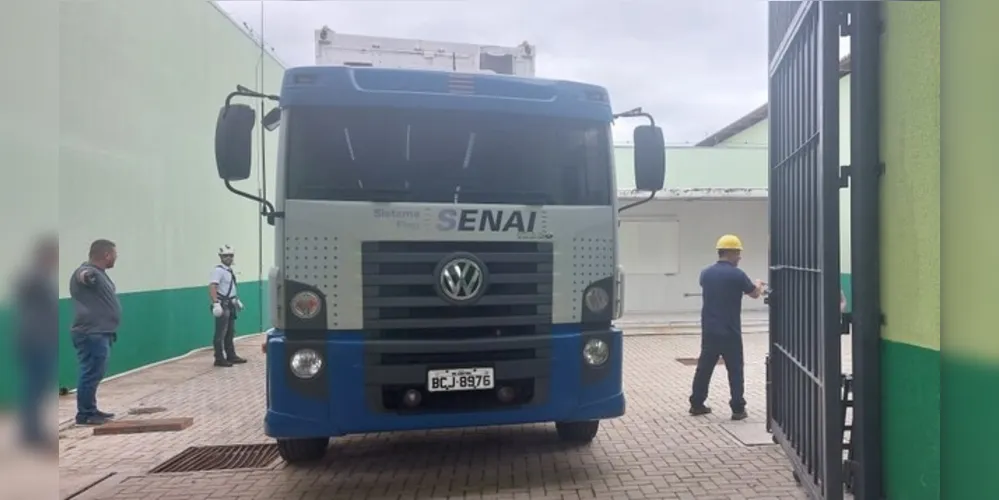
{"x": 461, "y": 279}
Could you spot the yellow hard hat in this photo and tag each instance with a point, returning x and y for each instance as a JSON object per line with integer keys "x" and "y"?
{"x": 729, "y": 242}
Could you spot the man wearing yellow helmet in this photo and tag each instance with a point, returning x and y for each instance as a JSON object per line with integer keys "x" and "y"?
{"x": 723, "y": 285}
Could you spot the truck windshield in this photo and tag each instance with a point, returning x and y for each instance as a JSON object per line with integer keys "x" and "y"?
{"x": 438, "y": 156}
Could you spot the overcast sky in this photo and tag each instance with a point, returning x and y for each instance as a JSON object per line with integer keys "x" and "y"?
{"x": 696, "y": 65}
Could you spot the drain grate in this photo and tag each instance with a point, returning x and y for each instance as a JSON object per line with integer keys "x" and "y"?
{"x": 205, "y": 458}
{"x": 693, "y": 361}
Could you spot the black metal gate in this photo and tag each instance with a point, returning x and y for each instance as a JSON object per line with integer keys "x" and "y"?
{"x": 804, "y": 364}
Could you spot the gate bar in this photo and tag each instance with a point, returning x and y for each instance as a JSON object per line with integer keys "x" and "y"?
{"x": 865, "y": 155}
{"x": 829, "y": 74}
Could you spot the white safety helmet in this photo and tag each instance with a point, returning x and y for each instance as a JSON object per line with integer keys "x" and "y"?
{"x": 226, "y": 250}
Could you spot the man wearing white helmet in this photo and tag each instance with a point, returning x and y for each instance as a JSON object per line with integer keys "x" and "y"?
{"x": 225, "y": 307}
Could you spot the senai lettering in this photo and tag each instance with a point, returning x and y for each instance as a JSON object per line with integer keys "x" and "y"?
{"x": 452, "y": 219}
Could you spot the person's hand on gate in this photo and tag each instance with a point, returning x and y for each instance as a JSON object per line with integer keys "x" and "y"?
{"x": 217, "y": 310}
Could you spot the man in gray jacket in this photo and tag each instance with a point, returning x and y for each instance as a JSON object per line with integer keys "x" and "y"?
{"x": 97, "y": 314}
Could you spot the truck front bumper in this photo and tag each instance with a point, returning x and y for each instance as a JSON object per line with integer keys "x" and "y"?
{"x": 350, "y": 394}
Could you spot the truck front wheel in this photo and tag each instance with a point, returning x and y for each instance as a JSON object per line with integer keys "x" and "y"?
{"x": 577, "y": 432}
{"x": 295, "y": 451}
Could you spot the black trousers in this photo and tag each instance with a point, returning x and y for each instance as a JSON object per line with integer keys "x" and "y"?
{"x": 729, "y": 348}
{"x": 225, "y": 327}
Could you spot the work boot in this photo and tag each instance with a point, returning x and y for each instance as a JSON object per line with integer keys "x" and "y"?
{"x": 236, "y": 360}
{"x": 105, "y": 414}
{"x": 93, "y": 420}
{"x": 222, "y": 363}
{"x": 740, "y": 415}
{"x": 699, "y": 410}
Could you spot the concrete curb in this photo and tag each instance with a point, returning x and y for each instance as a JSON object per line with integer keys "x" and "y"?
{"x": 647, "y": 332}
{"x": 169, "y": 360}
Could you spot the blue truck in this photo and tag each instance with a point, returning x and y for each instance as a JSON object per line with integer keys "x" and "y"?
{"x": 445, "y": 251}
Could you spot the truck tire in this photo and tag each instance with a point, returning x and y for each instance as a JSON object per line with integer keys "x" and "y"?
{"x": 296, "y": 451}
{"x": 577, "y": 432}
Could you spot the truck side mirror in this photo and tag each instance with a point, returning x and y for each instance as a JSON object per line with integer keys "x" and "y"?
{"x": 650, "y": 158}
{"x": 234, "y": 141}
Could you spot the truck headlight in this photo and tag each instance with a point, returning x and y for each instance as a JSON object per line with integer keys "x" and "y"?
{"x": 305, "y": 305}
{"x": 596, "y": 352}
{"x": 306, "y": 363}
{"x": 596, "y": 299}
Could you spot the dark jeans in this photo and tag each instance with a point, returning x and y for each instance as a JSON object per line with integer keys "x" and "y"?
{"x": 728, "y": 348}
{"x": 92, "y": 352}
{"x": 225, "y": 327}
{"x": 38, "y": 369}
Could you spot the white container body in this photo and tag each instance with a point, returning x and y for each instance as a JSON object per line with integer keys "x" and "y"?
{"x": 338, "y": 49}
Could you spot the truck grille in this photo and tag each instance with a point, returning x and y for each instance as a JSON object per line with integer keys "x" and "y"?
{"x": 401, "y": 302}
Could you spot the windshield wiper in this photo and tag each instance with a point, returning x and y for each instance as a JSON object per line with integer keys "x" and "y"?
{"x": 354, "y": 193}
{"x": 525, "y": 197}
{"x": 352, "y": 189}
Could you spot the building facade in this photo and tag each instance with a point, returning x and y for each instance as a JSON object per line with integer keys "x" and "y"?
{"x": 664, "y": 244}
{"x": 140, "y": 88}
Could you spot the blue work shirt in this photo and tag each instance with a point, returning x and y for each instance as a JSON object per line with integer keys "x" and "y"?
{"x": 722, "y": 287}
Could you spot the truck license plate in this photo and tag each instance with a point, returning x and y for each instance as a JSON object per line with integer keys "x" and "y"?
{"x": 460, "y": 379}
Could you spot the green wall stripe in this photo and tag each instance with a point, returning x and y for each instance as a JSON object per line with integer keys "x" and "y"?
{"x": 970, "y": 434}
{"x": 910, "y": 388}
{"x": 156, "y": 325}
{"x": 846, "y": 285}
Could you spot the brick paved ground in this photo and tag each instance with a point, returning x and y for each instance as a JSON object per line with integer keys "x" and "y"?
{"x": 656, "y": 451}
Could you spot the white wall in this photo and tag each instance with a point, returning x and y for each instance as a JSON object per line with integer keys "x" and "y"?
{"x": 142, "y": 83}
{"x": 700, "y": 225}
{"x": 845, "y": 261}
{"x": 29, "y": 124}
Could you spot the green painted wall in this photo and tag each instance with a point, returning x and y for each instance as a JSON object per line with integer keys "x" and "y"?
{"x": 757, "y": 135}
{"x": 156, "y": 325}
{"x": 690, "y": 167}
{"x": 162, "y": 324}
{"x": 969, "y": 178}
{"x": 135, "y": 109}
{"x": 910, "y": 251}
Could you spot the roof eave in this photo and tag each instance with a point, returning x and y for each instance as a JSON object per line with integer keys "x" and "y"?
{"x": 697, "y": 194}
{"x": 755, "y": 116}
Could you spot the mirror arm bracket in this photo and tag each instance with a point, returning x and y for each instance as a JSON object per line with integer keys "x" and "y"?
{"x": 245, "y": 92}
{"x": 267, "y": 209}
{"x": 637, "y": 203}
{"x": 633, "y": 113}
